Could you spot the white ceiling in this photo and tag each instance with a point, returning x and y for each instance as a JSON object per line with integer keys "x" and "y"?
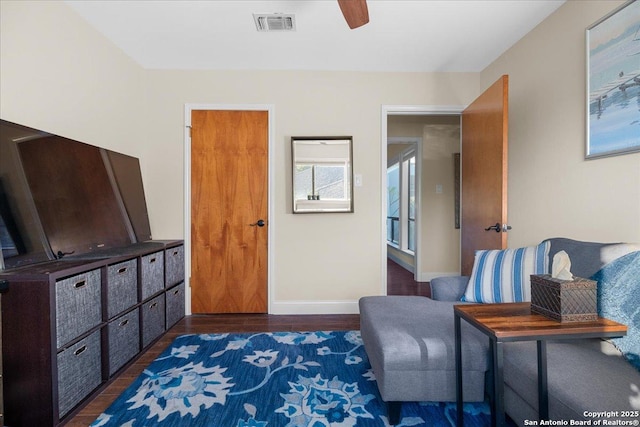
{"x": 406, "y": 36}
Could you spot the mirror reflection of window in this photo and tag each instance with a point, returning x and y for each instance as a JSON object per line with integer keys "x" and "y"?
{"x": 322, "y": 175}
{"x": 303, "y": 181}
{"x": 324, "y": 180}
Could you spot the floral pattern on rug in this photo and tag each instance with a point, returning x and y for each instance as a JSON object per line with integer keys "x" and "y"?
{"x": 275, "y": 379}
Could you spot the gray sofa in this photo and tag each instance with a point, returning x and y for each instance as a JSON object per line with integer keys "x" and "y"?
{"x": 410, "y": 344}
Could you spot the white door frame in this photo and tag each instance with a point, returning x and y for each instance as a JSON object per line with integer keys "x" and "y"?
{"x": 270, "y": 109}
{"x": 411, "y": 110}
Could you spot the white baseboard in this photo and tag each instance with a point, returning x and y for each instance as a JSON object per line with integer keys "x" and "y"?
{"x": 314, "y": 307}
{"x": 400, "y": 262}
{"x": 426, "y": 276}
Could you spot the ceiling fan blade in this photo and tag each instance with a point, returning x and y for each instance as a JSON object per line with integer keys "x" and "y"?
{"x": 355, "y": 12}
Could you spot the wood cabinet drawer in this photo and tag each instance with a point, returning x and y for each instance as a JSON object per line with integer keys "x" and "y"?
{"x": 124, "y": 340}
{"x": 153, "y": 319}
{"x": 152, "y": 274}
{"x": 79, "y": 372}
{"x": 174, "y": 258}
{"x": 175, "y": 304}
{"x": 122, "y": 287}
{"x": 78, "y": 305}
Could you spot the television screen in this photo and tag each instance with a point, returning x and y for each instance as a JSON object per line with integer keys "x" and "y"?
{"x": 21, "y": 238}
{"x": 60, "y": 197}
{"x": 73, "y": 194}
{"x": 126, "y": 171}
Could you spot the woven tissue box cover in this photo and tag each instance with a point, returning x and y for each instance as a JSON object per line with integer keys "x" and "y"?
{"x": 564, "y": 300}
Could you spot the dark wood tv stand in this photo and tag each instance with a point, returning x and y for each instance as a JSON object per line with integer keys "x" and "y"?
{"x": 70, "y": 325}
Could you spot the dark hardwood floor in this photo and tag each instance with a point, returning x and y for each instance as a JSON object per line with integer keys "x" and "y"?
{"x": 399, "y": 282}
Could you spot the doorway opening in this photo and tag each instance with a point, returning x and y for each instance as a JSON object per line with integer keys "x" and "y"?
{"x": 420, "y": 238}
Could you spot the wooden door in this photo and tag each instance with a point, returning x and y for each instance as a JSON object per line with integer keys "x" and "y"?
{"x": 484, "y": 172}
{"x": 229, "y": 195}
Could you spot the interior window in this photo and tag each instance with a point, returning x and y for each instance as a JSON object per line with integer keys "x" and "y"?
{"x": 401, "y": 197}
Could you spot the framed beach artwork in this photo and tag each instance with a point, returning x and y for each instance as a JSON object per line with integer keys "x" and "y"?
{"x": 613, "y": 83}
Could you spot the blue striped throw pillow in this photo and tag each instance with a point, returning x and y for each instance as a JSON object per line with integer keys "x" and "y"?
{"x": 505, "y": 275}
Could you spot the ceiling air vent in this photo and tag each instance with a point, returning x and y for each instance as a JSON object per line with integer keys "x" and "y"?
{"x": 275, "y": 22}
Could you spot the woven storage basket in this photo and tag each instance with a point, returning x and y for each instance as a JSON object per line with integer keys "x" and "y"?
{"x": 564, "y": 300}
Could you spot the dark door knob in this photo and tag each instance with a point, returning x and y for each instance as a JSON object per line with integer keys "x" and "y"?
{"x": 259, "y": 223}
{"x": 498, "y": 228}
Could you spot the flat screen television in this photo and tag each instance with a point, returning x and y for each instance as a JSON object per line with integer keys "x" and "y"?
{"x": 60, "y": 197}
{"x": 21, "y": 236}
{"x": 128, "y": 177}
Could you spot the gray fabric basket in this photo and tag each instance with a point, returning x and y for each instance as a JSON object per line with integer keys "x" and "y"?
{"x": 122, "y": 287}
{"x": 174, "y": 265}
{"x": 79, "y": 372}
{"x": 175, "y": 304}
{"x": 152, "y": 274}
{"x": 153, "y": 318}
{"x": 78, "y": 306}
{"x": 124, "y": 340}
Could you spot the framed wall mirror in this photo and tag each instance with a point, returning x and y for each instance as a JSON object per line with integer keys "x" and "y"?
{"x": 322, "y": 174}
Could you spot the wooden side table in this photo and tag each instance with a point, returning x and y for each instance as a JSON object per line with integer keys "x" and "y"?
{"x": 507, "y": 322}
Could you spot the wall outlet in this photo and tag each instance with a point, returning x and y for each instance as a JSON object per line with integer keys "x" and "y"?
{"x": 438, "y": 188}
{"x": 357, "y": 180}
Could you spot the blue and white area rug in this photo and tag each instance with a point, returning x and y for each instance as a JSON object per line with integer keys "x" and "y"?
{"x": 282, "y": 379}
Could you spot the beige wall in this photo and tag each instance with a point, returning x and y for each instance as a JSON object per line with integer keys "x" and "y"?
{"x": 553, "y": 191}
{"x": 440, "y": 246}
{"x": 323, "y": 262}
{"x": 60, "y": 75}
